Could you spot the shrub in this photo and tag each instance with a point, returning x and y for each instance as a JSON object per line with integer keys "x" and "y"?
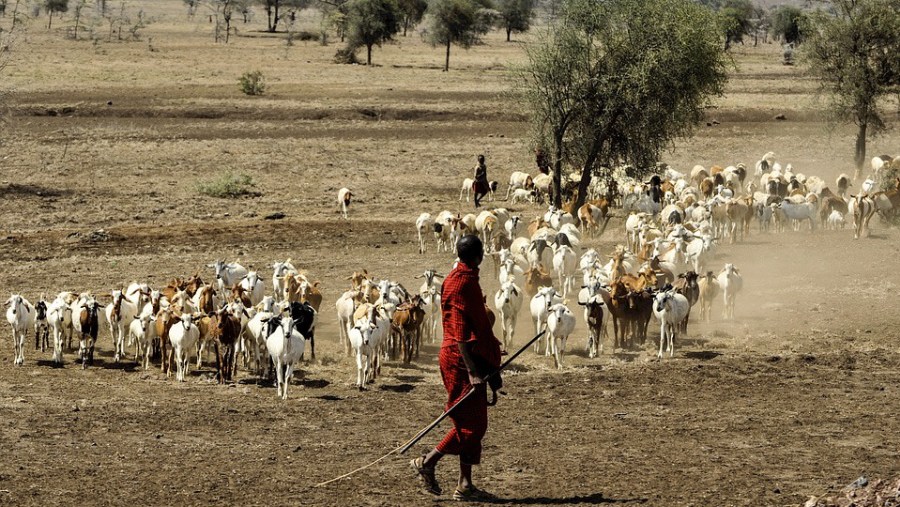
{"x": 252, "y": 83}
{"x": 346, "y": 55}
{"x": 228, "y": 185}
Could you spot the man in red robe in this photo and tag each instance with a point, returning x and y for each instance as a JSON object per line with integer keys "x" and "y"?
{"x": 469, "y": 352}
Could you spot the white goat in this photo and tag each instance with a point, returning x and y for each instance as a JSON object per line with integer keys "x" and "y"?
{"x": 142, "y": 332}
{"x": 731, "y": 282}
{"x": 20, "y": 316}
{"x": 466, "y": 188}
{"x": 508, "y": 302}
{"x": 119, "y": 315}
{"x": 671, "y": 309}
{"x": 183, "y": 336}
{"x": 285, "y": 346}
{"x": 540, "y": 305}
{"x": 423, "y": 224}
{"x": 564, "y": 264}
{"x": 344, "y": 198}
{"x": 59, "y": 316}
{"x": 227, "y": 274}
{"x": 254, "y": 286}
{"x": 365, "y": 337}
{"x": 560, "y": 323}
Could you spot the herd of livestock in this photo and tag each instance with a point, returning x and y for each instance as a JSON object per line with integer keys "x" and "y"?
{"x": 663, "y": 268}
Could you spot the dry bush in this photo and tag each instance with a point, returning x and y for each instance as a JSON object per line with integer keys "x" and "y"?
{"x": 228, "y": 185}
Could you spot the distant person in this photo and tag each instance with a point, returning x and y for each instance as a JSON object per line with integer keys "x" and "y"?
{"x": 481, "y": 186}
{"x": 469, "y": 352}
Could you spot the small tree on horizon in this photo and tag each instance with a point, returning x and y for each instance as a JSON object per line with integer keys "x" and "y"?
{"x": 411, "y": 13}
{"x": 786, "y": 21}
{"x": 372, "y": 22}
{"x": 855, "y": 52}
{"x": 52, "y": 6}
{"x": 515, "y": 15}
{"x": 455, "y": 22}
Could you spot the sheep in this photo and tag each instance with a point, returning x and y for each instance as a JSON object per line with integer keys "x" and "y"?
{"x": 344, "y": 197}
{"x": 423, "y": 224}
{"x": 486, "y": 224}
{"x": 520, "y": 195}
{"x": 560, "y": 323}
{"x": 508, "y": 301}
{"x": 183, "y": 336}
{"x": 671, "y": 309}
{"x": 21, "y": 317}
{"x": 868, "y": 186}
{"x": 519, "y": 180}
{"x": 466, "y": 189}
{"x": 861, "y": 208}
{"x": 835, "y": 220}
{"x": 731, "y": 282}
{"x": 765, "y": 164}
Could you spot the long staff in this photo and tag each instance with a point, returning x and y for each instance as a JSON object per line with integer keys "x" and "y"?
{"x": 421, "y": 434}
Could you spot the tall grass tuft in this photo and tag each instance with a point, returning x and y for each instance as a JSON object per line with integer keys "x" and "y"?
{"x": 228, "y": 185}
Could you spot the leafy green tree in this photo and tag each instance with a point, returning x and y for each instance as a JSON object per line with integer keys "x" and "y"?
{"x": 786, "y": 22}
{"x": 855, "y": 52}
{"x": 617, "y": 81}
{"x": 412, "y": 12}
{"x": 460, "y": 22}
{"x": 515, "y": 15}
{"x": 736, "y": 20}
{"x": 372, "y": 22}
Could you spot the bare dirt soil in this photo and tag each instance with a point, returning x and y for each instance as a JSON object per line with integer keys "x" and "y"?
{"x": 797, "y": 397}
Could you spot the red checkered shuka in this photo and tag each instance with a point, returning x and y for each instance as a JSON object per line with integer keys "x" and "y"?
{"x": 465, "y": 320}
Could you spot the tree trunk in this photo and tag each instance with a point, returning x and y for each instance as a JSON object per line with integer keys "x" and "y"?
{"x": 447, "y": 58}
{"x": 405, "y": 24}
{"x": 508, "y": 32}
{"x": 50, "y": 22}
{"x": 860, "y": 155}
{"x": 555, "y": 194}
{"x": 369, "y": 55}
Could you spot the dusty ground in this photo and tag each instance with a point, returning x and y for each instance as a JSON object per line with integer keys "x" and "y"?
{"x": 795, "y": 398}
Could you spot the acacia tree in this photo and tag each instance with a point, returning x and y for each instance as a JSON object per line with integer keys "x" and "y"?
{"x": 372, "y": 22}
{"x": 460, "y": 22}
{"x": 274, "y": 11}
{"x": 52, "y": 6}
{"x": 617, "y": 81}
{"x": 411, "y": 12}
{"x": 515, "y": 15}
{"x": 855, "y": 52}
{"x": 736, "y": 20}
{"x": 786, "y": 23}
